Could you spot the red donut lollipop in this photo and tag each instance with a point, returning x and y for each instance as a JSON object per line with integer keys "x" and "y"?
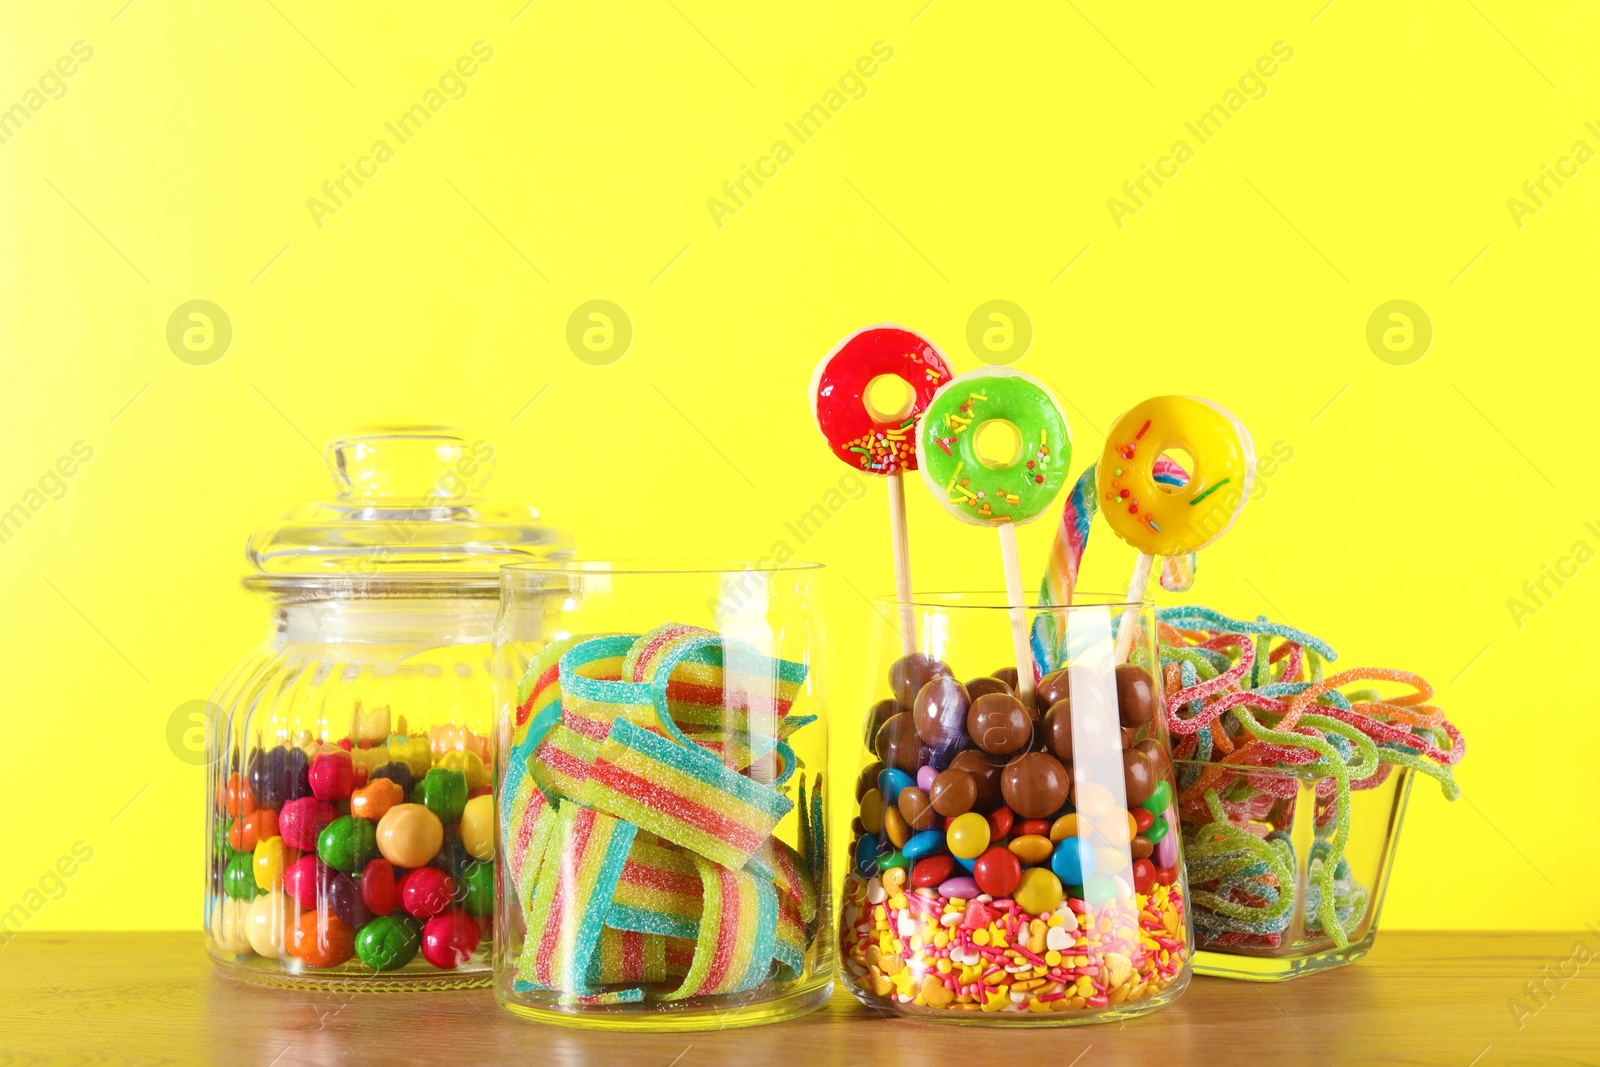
{"x": 879, "y": 442}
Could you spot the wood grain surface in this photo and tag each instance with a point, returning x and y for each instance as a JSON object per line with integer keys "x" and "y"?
{"x": 1419, "y": 998}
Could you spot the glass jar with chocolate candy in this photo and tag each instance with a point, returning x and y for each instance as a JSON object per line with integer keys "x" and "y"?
{"x": 1015, "y": 856}
{"x": 350, "y": 828}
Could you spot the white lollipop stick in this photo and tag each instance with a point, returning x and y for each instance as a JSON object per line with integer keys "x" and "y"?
{"x": 872, "y": 441}
{"x": 1018, "y": 611}
{"x": 1136, "y": 588}
{"x": 902, "y": 561}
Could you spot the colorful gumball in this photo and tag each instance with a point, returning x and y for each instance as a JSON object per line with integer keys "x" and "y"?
{"x": 332, "y": 776}
{"x": 375, "y": 798}
{"x": 321, "y": 940}
{"x": 268, "y": 863}
{"x": 300, "y": 881}
{"x": 477, "y": 827}
{"x": 268, "y": 923}
{"x": 443, "y": 792}
{"x": 426, "y": 891}
{"x": 301, "y": 820}
{"x": 409, "y": 835}
{"x": 347, "y": 843}
{"x": 476, "y": 887}
{"x": 379, "y": 891}
{"x": 236, "y": 796}
{"x": 449, "y": 940}
{"x": 388, "y": 942}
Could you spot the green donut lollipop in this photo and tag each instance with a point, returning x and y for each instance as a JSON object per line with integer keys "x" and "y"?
{"x": 973, "y": 488}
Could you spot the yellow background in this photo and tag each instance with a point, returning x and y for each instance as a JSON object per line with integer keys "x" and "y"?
{"x": 977, "y": 166}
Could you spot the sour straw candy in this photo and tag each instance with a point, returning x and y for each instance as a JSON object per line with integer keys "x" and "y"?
{"x": 647, "y": 777}
{"x": 877, "y": 441}
{"x": 1254, "y": 695}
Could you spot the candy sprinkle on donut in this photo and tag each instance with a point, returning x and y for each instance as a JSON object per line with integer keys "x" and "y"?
{"x": 975, "y": 489}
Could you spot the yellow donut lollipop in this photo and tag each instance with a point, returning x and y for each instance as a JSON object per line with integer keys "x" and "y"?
{"x": 1166, "y": 520}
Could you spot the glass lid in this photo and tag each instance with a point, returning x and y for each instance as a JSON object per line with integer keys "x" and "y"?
{"x": 408, "y": 507}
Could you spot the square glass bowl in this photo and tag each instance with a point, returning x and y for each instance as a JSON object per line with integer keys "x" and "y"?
{"x": 1280, "y": 821}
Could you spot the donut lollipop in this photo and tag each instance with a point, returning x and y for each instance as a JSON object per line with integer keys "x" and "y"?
{"x": 977, "y": 488}
{"x": 877, "y": 436}
{"x": 1156, "y": 517}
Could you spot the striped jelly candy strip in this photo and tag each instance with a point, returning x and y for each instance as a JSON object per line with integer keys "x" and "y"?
{"x": 628, "y": 957}
{"x": 789, "y": 875}
{"x": 789, "y": 944}
{"x": 683, "y": 794}
{"x": 659, "y": 892}
{"x": 562, "y": 762}
{"x": 593, "y": 692}
{"x": 579, "y": 875}
{"x": 738, "y": 932}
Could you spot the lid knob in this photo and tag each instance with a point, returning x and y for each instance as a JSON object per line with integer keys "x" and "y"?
{"x": 422, "y": 463}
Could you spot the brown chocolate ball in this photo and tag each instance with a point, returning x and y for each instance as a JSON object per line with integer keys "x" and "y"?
{"x": 1058, "y": 730}
{"x": 985, "y": 772}
{"x": 1157, "y": 752}
{"x": 1141, "y": 848}
{"x": 1136, "y": 695}
{"x": 868, "y": 778}
{"x": 953, "y": 793}
{"x": 940, "y": 710}
{"x": 982, "y": 687}
{"x": 1061, "y": 727}
{"x": 896, "y": 743}
{"x": 881, "y": 712}
{"x": 1139, "y": 776}
{"x": 908, "y": 674}
{"x": 1054, "y": 688}
{"x": 1000, "y": 724}
{"x": 1035, "y": 785}
{"x": 917, "y": 808}
{"x": 1007, "y": 675}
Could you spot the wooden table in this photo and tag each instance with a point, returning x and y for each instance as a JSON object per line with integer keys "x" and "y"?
{"x": 1418, "y": 999}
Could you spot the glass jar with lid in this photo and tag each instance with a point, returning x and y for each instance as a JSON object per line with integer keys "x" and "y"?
{"x": 350, "y": 826}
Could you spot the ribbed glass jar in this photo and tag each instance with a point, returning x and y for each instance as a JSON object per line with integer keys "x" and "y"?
{"x": 350, "y": 827}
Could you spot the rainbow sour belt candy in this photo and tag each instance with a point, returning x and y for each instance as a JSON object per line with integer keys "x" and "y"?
{"x": 646, "y": 784}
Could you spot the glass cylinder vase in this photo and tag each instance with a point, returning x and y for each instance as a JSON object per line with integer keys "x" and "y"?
{"x": 1015, "y": 855}
{"x": 661, "y": 751}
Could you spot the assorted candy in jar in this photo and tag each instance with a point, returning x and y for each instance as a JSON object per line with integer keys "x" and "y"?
{"x": 1016, "y": 856}
{"x": 351, "y": 811}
